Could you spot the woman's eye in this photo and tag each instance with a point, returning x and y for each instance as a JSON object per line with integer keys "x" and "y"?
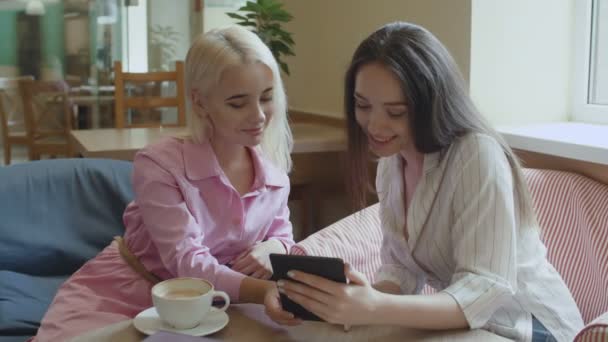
{"x": 236, "y": 105}
{"x": 396, "y": 114}
{"x": 362, "y": 106}
{"x": 266, "y": 99}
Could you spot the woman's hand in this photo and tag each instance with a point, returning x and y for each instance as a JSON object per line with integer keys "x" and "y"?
{"x": 338, "y": 303}
{"x": 275, "y": 311}
{"x": 255, "y": 262}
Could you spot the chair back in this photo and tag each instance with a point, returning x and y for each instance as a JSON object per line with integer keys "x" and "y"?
{"x": 143, "y": 109}
{"x": 11, "y": 105}
{"x": 47, "y": 109}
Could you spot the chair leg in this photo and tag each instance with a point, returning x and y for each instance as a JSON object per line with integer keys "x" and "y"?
{"x": 7, "y": 153}
{"x": 31, "y": 154}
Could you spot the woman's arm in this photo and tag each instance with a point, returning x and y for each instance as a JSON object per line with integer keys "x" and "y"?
{"x": 253, "y": 290}
{"x": 173, "y": 229}
{"x": 360, "y": 304}
{"x": 281, "y": 228}
{"x": 437, "y": 311}
{"x": 255, "y": 261}
{"x": 387, "y": 287}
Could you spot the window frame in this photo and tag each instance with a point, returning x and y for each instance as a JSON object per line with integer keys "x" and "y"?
{"x": 581, "y": 109}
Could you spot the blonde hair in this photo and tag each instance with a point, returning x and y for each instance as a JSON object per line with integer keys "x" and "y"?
{"x": 210, "y": 54}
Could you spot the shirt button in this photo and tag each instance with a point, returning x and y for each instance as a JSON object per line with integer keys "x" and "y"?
{"x": 236, "y": 221}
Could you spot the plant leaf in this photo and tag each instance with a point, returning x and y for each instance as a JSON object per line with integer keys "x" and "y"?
{"x": 284, "y": 67}
{"x": 236, "y": 16}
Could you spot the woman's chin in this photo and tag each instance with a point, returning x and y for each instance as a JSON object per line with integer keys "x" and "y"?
{"x": 384, "y": 152}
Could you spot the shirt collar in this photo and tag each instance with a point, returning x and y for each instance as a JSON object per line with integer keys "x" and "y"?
{"x": 431, "y": 160}
{"x": 201, "y": 163}
{"x": 266, "y": 172}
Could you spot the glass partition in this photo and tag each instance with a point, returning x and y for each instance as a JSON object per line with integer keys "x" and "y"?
{"x": 78, "y": 41}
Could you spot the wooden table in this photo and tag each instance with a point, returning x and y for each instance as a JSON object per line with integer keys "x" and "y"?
{"x": 122, "y": 144}
{"x": 248, "y": 322}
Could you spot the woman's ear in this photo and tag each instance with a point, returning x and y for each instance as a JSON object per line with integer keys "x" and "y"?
{"x": 197, "y": 103}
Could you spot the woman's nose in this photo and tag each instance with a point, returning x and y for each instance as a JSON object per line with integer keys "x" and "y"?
{"x": 258, "y": 114}
{"x": 376, "y": 122}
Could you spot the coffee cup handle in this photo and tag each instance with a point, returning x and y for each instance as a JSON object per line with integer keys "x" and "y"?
{"x": 225, "y": 297}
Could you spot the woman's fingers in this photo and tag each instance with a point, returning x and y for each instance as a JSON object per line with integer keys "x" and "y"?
{"x": 274, "y": 310}
{"x": 310, "y": 304}
{"x": 354, "y": 276}
{"x": 317, "y": 282}
{"x": 291, "y": 287}
{"x": 241, "y": 263}
{"x": 261, "y": 273}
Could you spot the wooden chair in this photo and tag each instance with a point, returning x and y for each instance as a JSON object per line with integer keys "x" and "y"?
{"x": 148, "y": 102}
{"x": 12, "y": 121}
{"x": 48, "y": 117}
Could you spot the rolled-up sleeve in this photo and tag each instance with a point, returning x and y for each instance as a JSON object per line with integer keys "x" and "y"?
{"x": 484, "y": 232}
{"x": 281, "y": 228}
{"x": 174, "y": 230}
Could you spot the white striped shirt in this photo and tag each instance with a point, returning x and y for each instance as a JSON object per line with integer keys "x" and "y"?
{"x": 465, "y": 239}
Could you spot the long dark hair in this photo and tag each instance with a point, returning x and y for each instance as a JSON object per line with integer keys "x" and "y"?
{"x": 437, "y": 97}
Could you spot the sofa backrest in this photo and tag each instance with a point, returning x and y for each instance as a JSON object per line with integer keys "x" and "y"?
{"x": 572, "y": 211}
{"x": 356, "y": 239}
{"x": 57, "y": 214}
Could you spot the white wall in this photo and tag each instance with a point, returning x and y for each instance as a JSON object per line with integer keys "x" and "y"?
{"x": 327, "y": 32}
{"x": 215, "y": 13}
{"x": 521, "y": 59}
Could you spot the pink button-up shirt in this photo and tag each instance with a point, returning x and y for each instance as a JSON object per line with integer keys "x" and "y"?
{"x": 187, "y": 220}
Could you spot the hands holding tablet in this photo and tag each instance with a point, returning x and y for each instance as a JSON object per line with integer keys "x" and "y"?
{"x": 304, "y": 295}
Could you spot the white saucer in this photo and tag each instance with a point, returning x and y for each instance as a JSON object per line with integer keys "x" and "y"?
{"x": 149, "y": 323}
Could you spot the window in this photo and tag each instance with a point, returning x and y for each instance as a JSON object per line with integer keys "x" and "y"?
{"x": 590, "y": 102}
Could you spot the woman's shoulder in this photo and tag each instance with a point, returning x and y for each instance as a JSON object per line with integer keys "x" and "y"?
{"x": 477, "y": 146}
{"x": 167, "y": 152}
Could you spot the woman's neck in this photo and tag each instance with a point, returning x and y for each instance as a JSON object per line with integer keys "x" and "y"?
{"x": 411, "y": 156}
{"x": 229, "y": 155}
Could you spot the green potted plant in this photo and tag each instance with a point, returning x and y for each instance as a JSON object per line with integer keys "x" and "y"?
{"x": 163, "y": 42}
{"x": 265, "y": 18}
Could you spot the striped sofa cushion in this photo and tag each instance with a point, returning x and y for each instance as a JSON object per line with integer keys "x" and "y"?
{"x": 572, "y": 211}
{"x": 356, "y": 239}
{"x": 596, "y": 331}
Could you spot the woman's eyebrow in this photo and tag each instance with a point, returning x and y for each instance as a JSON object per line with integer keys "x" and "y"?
{"x": 236, "y": 96}
{"x": 395, "y": 103}
{"x": 357, "y": 95}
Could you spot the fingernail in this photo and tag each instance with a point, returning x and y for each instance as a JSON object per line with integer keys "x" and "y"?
{"x": 291, "y": 274}
{"x": 280, "y": 283}
{"x": 281, "y": 290}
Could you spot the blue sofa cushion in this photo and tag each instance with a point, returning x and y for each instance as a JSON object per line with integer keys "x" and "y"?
{"x": 23, "y": 301}
{"x": 57, "y": 214}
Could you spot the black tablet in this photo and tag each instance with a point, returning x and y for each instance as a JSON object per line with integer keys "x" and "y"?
{"x": 330, "y": 268}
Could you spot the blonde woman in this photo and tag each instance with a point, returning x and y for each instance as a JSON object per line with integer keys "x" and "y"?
{"x": 212, "y": 205}
{"x": 454, "y": 206}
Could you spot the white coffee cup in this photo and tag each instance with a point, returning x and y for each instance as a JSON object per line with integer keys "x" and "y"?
{"x": 183, "y": 303}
